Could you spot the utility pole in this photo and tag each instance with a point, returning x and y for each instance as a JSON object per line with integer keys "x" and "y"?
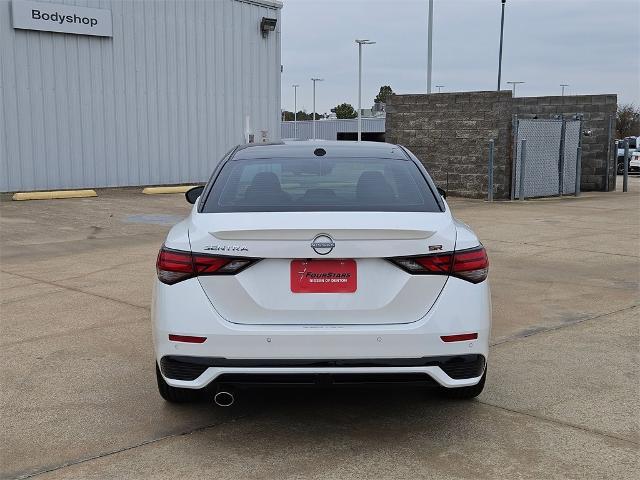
{"x": 563, "y": 85}
{"x": 360, "y": 43}
{"x": 430, "y": 46}
{"x": 439, "y": 87}
{"x": 501, "y": 38}
{"x": 513, "y": 85}
{"x": 314, "y": 80}
{"x": 295, "y": 110}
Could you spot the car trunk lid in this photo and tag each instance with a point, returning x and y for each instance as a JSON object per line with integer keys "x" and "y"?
{"x": 265, "y": 293}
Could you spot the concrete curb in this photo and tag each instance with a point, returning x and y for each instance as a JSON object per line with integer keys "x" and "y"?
{"x": 162, "y": 190}
{"x": 55, "y": 194}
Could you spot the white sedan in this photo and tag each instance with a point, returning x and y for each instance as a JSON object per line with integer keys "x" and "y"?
{"x": 332, "y": 263}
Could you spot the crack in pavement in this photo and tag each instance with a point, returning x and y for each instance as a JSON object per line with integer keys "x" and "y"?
{"x": 535, "y": 330}
{"x": 77, "y": 290}
{"x": 545, "y": 418}
{"x": 573, "y": 249}
{"x": 75, "y": 331}
{"x": 129, "y": 447}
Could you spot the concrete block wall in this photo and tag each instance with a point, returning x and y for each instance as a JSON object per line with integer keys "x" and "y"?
{"x": 449, "y": 133}
{"x": 596, "y": 111}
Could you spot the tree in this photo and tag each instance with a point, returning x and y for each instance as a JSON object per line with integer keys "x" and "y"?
{"x": 383, "y": 94}
{"x": 345, "y": 110}
{"x": 627, "y": 120}
{"x": 301, "y": 117}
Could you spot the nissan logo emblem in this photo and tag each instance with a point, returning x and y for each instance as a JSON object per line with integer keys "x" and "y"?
{"x": 322, "y": 244}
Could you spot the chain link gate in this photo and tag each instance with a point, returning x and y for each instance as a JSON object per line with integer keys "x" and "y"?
{"x": 550, "y": 159}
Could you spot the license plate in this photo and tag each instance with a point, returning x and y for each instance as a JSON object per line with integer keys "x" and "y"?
{"x": 323, "y": 276}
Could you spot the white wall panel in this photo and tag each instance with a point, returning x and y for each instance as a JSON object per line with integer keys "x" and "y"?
{"x": 158, "y": 103}
{"x": 329, "y": 129}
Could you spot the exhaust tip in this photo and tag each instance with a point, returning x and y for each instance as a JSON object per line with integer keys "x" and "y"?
{"x": 224, "y": 399}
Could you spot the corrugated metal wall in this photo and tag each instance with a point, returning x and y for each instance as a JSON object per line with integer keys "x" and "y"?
{"x": 328, "y": 129}
{"x": 158, "y": 103}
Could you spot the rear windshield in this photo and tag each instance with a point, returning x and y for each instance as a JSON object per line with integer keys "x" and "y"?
{"x": 320, "y": 184}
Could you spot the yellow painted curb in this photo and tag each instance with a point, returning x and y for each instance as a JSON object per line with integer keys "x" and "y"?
{"x": 54, "y": 194}
{"x": 159, "y": 190}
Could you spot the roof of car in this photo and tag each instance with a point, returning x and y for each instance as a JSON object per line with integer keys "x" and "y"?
{"x": 306, "y": 148}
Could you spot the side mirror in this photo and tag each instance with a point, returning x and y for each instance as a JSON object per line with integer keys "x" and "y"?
{"x": 192, "y": 194}
{"x": 442, "y": 192}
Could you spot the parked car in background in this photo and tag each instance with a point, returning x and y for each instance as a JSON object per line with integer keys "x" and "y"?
{"x": 326, "y": 263}
{"x": 633, "y": 146}
{"x": 634, "y": 163}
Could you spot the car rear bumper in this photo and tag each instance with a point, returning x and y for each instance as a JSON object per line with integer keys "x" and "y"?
{"x": 183, "y": 309}
{"x": 199, "y": 372}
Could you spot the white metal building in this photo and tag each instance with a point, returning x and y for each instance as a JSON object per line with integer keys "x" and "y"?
{"x": 103, "y": 93}
{"x": 335, "y": 129}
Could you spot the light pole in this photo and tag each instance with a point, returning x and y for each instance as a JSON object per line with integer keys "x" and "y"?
{"x": 360, "y": 43}
{"x": 314, "y": 80}
{"x": 439, "y": 87}
{"x": 563, "y": 85}
{"x": 430, "y": 46}
{"x": 501, "y": 37}
{"x": 513, "y": 85}
{"x": 295, "y": 110}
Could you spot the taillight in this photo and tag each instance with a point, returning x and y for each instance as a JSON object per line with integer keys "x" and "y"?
{"x": 174, "y": 266}
{"x": 471, "y": 265}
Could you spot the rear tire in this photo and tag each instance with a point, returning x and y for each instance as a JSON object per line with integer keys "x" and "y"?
{"x": 465, "y": 393}
{"x": 175, "y": 394}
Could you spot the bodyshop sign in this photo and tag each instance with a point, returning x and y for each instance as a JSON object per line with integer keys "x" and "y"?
{"x": 55, "y": 17}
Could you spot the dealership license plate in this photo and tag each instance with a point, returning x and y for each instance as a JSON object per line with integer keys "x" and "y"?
{"x": 324, "y": 276}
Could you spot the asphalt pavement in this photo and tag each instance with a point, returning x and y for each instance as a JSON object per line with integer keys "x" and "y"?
{"x": 78, "y": 389}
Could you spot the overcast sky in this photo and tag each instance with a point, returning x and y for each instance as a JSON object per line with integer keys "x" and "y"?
{"x": 593, "y": 45}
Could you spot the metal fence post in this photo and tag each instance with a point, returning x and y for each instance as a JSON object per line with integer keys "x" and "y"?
{"x": 563, "y": 132}
{"x": 523, "y": 161}
{"x": 490, "y": 185}
{"x": 615, "y": 165}
{"x": 579, "y": 154}
{"x": 578, "y": 170}
{"x": 608, "y": 162}
{"x": 625, "y": 178}
{"x": 514, "y": 155}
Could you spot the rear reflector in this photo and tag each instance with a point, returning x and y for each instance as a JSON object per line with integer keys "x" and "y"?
{"x": 186, "y": 338}
{"x": 471, "y": 265}
{"x": 173, "y": 266}
{"x": 459, "y": 338}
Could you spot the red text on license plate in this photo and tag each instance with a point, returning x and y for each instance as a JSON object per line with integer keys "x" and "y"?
{"x": 323, "y": 276}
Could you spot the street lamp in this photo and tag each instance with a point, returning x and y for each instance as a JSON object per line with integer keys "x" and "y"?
{"x": 439, "y": 87}
{"x": 430, "y": 46}
{"x": 295, "y": 110}
{"x": 314, "y": 80}
{"x": 563, "y": 85}
{"x": 360, "y": 43}
{"x": 513, "y": 85}
{"x": 501, "y": 37}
